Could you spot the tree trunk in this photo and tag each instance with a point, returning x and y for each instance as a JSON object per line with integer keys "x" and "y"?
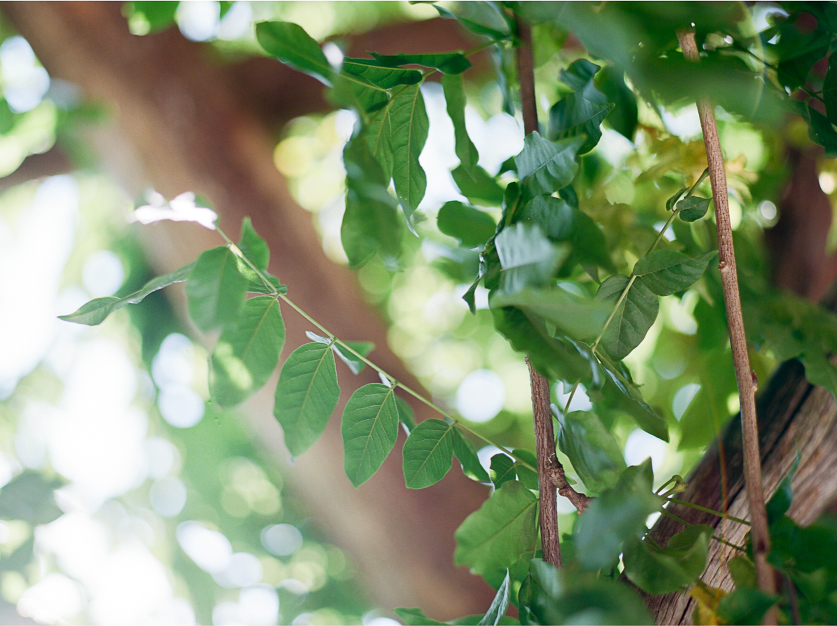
{"x": 181, "y": 124}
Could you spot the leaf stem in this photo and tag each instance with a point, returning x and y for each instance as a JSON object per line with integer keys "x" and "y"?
{"x": 689, "y": 524}
{"x": 738, "y": 340}
{"x": 698, "y": 507}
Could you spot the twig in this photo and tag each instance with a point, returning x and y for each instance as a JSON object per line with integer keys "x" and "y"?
{"x": 541, "y": 415}
{"x": 738, "y": 341}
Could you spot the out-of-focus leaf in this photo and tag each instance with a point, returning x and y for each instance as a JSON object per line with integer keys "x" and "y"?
{"x": 215, "y": 289}
{"x": 820, "y": 371}
{"x": 829, "y": 90}
{"x": 591, "y": 448}
{"x": 96, "y": 311}
{"x": 579, "y": 113}
{"x": 708, "y": 413}
{"x": 471, "y": 226}
{"x": 410, "y": 125}
{"x": 405, "y": 414}
{"x": 659, "y": 571}
{"x": 493, "y": 537}
{"x": 580, "y": 318}
{"x": 665, "y": 272}
{"x": 466, "y": 453}
{"x": 384, "y": 77}
{"x": 527, "y": 257}
{"x": 247, "y": 351}
{"x": 445, "y": 62}
{"x": 370, "y": 427}
{"x": 745, "y": 606}
{"x": 527, "y": 476}
{"x": 290, "y": 44}
{"x": 482, "y": 18}
{"x": 623, "y": 118}
{"x": 478, "y": 185}
{"x": 547, "y": 166}
{"x": 428, "y": 453}
{"x": 743, "y": 571}
{"x": 29, "y": 497}
{"x": 615, "y": 516}
{"x": 499, "y": 604}
{"x": 416, "y": 617}
{"x": 624, "y": 396}
{"x": 306, "y": 395}
{"x": 782, "y": 498}
{"x": 159, "y": 15}
{"x": 465, "y": 149}
{"x": 252, "y": 246}
{"x": 635, "y": 314}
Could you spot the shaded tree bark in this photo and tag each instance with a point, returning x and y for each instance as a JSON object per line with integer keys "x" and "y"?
{"x": 182, "y": 122}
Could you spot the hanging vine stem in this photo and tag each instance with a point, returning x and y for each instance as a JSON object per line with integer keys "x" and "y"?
{"x": 732, "y": 301}
{"x": 334, "y": 340}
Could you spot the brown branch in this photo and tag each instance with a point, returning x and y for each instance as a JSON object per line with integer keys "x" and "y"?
{"x": 738, "y": 340}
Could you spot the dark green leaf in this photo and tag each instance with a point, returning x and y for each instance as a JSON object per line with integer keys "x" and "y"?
{"x": 782, "y": 498}
{"x": 445, "y": 62}
{"x": 499, "y": 604}
{"x": 693, "y": 208}
{"x": 745, "y": 606}
{"x": 384, "y": 77}
{"x": 547, "y": 166}
{"x": 675, "y": 198}
{"x": 455, "y": 101}
{"x": 665, "y": 272}
{"x": 247, "y": 351}
{"x": 95, "y": 311}
{"x": 634, "y": 315}
{"x": 615, "y": 516}
{"x": 580, "y": 318}
{"x": 370, "y": 427}
{"x": 466, "y": 453}
{"x": 428, "y": 453}
{"x": 659, "y": 571}
{"x": 471, "y": 226}
{"x": 482, "y": 18}
{"x": 405, "y": 414}
{"x": 526, "y": 475}
{"x": 306, "y": 395}
{"x": 352, "y": 362}
{"x": 624, "y": 396}
{"x": 293, "y": 46}
{"x": 252, "y": 246}
{"x": 829, "y": 89}
{"x": 821, "y": 132}
{"x": 410, "y": 125}
{"x": 215, "y": 289}
{"x": 591, "y": 448}
{"x": 624, "y": 116}
{"x": 743, "y": 571}
{"x": 493, "y": 537}
{"x": 820, "y": 371}
{"x": 478, "y": 186}
{"x": 29, "y": 497}
{"x": 527, "y": 257}
{"x": 416, "y": 617}
{"x": 580, "y": 113}
{"x": 708, "y": 412}
{"x": 502, "y": 469}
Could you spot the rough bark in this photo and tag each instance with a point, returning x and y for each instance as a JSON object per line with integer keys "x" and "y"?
{"x": 180, "y": 122}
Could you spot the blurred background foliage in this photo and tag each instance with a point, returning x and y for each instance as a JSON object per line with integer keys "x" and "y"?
{"x": 115, "y": 468}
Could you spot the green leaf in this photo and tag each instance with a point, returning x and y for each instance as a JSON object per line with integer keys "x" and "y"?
{"x": 159, "y": 15}
{"x": 96, "y": 311}
{"x": 370, "y": 427}
{"x": 820, "y": 371}
{"x": 416, "y": 617}
{"x": 378, "y": 137}
{"x": 499, "y": 604}
{"x": 215, "y": 289}
{"x": 455, "y": 102}
{"x": 471, "y": 226}
{"x": 745, "y": 606}
{"x": 673, "y": 200}
{"x": 247, "y": 351}
{"x": 547, "y": 166}
{"x": 580, "y": 318}
{"x": 355, "y": 93}
{"x": 743, "y": 571}
{"x": 665, "y": 272}
{"x": 252, "y": 246}
{"x": 562, "y": 222}
{"x": 410, "y": 125}
{"x": 383, "y": 77}
{"x": 591, "y": 448}
{"x": 502, "y": 470}
{"x": 306, "y": 395}
{"x": 782, "y": 498}
{"x": 634, "y": 316}
{"x": 290, "y": 44}
{"x": 615, "y": 516}
{"x": 466, "y": 453}
{"x": 692, "y": 208}
{"x": 625, "y": 115}
{"x": 493, "y": 537}
{"x": 525, "y": 475}
{"x": 659, "y": 571}
{"x": 624, "y": 396}
{"x": 482, "y": 18}
{"x": 405, "y": 414}
{"x": 477, "y": 185}
{"x": 829, "y": 90}
{"x": 821, "y": 132}
{"x": 582, "y": 112}
{"x": 445, "y": 62}
{"x": 527, "y": 257}
{"x": 428, "y": 453}
{"x": 29, "y": 496}
{"x": 352, "y": 362}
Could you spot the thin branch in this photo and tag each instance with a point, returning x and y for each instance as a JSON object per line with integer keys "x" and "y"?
{"x": 541, "y": 415}
{"x": 732, "y": 300}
